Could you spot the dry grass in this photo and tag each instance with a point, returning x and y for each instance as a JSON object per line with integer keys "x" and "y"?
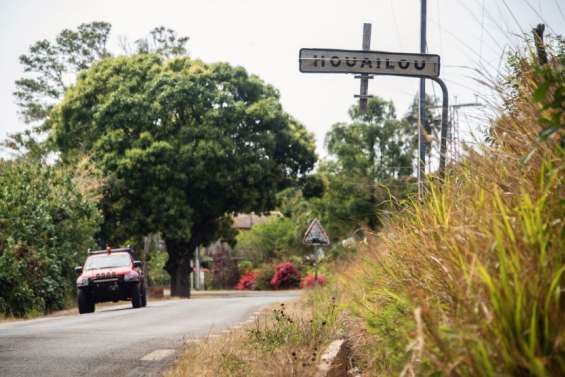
{"x": 471, "y": 281}
{"x": 285, "y": 340}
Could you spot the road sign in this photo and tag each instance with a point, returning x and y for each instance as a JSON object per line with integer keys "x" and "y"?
{"x": 316, "y": 235}
{"x": 319, "y": 60}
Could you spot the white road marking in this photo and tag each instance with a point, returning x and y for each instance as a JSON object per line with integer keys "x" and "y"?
{"x": 157, "y": 355}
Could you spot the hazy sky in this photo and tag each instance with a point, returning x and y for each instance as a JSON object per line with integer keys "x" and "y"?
{"x": 265, "y": 36}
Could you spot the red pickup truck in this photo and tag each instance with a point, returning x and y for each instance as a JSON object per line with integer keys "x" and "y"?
{"x": 110, "y": 275}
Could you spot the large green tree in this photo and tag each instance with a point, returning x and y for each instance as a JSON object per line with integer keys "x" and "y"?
{"x": 51, "y": 67}
{"x": 183, "y": 145}
{"x": 371, "y": 150}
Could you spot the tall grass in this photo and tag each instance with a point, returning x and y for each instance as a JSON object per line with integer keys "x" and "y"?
{"x": 471, "y": 281}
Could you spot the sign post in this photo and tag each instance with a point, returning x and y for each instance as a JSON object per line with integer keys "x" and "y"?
{"x": 366, "y": 63}
{"x": 316, "y": 236}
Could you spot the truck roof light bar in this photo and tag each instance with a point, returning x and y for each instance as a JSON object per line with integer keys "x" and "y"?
{"x": 109, "y": 250}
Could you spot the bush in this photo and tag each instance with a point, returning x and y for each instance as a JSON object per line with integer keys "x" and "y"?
{"x": 272, "y": 240}
{"x": 46, "y": 226}
{"x": 264, "y": 276}
{"x": 286, "y": 276}
{"x": 298, "y": 262}
{"x": 247, "y": 282}
{"x": 245, "y": 266}
{"x": 310, "y": 281}
{"x": 156, "y": 269}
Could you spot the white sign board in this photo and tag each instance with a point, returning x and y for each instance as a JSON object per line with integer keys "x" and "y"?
{"x": 318, "y": 60}
{"x": 316, "y": 235}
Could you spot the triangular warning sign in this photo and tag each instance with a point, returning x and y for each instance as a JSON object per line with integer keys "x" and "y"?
{"x": 316, "y": 235}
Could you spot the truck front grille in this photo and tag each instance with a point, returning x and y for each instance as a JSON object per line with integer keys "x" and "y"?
{"x": 105, "y": 275}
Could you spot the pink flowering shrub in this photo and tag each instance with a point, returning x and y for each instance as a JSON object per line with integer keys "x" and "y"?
{"x": 310, "y": 281}
{"x": 286, "y": 276}
{"x": 247, "y": 281}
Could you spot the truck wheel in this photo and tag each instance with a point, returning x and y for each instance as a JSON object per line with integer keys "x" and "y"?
{"x": 136, "y": 296}
{"x": 85, "y": 302}
{"x": 144, "y": 297}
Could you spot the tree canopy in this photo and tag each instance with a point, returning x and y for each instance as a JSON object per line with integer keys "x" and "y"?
{"x": 183, "y": 144}
{"x": 373, "y": 149}
{"x": 50, "y": 67}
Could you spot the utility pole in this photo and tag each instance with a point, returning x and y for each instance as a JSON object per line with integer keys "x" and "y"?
{"x": 422, "y": 111}
{"x": 363, "y": 90}
{"x": 366, "y": 63}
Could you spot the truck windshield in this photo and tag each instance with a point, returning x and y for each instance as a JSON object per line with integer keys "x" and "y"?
{"x": 107, "y": 261}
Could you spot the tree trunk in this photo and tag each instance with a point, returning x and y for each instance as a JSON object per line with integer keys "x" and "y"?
{"x": 178, "y": 266}
{"x": 180, "y": 280}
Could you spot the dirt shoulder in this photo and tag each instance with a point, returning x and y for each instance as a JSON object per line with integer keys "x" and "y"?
{"x": 282, "y": 340}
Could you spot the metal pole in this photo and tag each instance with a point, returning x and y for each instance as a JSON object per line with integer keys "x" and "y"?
{"x": 422, "y": 113}
{"x": 197, "y": 281}
{"x": 444, "y": 127}
{"x": 315, "y": 270}
{"x": 146, "y": 245}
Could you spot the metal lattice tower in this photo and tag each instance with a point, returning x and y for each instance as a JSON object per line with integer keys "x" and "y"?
{"x": 453, "y": 133}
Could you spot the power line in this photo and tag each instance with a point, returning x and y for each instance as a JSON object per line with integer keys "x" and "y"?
{"x": 539, "y": 15}
{"x": 513, "y": 17}
{"x": 396, "y": 24}
{"x": 439, "y": 27}
{"x": 460, "y": 41}
{"x": 560, "y": 11}
{"x": 502, "y": 20}
{"x": 496, "y": 21}
{"x": 482, "y": 32}
{"x": 468, "y": 10}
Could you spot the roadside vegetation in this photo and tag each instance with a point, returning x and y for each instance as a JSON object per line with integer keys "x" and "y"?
{"x": 153, "y": 124}
{"x": 470, "y": 281}
{"x": 48, "y": 218}
{"x": 366, "y": 177}
{"x": 179, "y": 146}
{"x": 284, "y": 341}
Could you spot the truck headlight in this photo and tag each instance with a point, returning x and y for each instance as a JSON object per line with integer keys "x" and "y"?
{"x": 131, "y": 276}
{"x": 82, "y": 282}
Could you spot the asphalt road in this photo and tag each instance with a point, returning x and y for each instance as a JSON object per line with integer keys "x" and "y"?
{"x": 120, "y": 341}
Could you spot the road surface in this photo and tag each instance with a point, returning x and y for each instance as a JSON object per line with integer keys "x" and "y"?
{"x": 120, "y": 341}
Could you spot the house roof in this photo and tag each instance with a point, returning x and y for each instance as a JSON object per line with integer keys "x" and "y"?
{"x": 248, "y": 220}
